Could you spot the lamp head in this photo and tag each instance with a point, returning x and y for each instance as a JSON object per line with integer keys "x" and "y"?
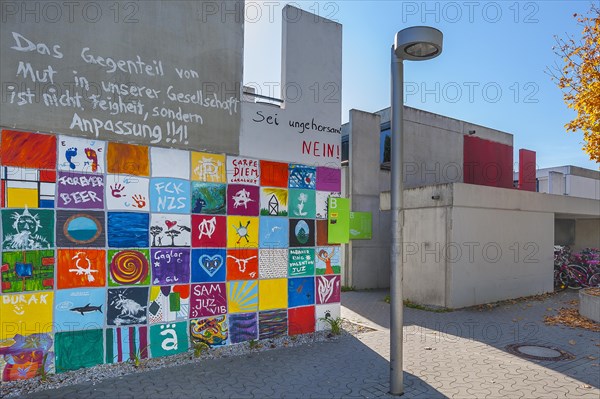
{"x": 418, "y": 43}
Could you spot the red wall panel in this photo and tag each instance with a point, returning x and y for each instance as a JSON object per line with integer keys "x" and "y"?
{"x": 527, "y": 170}
{"x": 487, "y": 163}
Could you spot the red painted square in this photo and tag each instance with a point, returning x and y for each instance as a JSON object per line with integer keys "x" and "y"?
{"x": 47, "y": 261}
{"x": 242, "y": 264}
{"x": 48, "y": 176}
{"x": 301, "y": 320}
{"x": 28, "y": 150}
{"x": 273, "y": 174}
{"x": 209, "y": 231}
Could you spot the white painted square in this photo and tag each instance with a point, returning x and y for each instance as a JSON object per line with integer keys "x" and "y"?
{"x": 47, "y": 189}
{"x": 170, "y": 230}
{"x": 243, "y": 170}
{"x": 321, "y": 200}
{"x": 272, "y": 263}
{"x": 77, "y": 154}
{"x": 328, "y": 310}
{"x": 166, "y": 162}
{"x": 21, "y": 184}
{"x": 127, "y": 193}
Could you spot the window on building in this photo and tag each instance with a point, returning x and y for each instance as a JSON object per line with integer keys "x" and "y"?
{"x": 345, "y": 143}
{"x": 385, "y": 146}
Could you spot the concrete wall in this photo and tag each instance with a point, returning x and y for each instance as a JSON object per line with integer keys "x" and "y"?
{"x": 466, "y": 245}
{"x": 364, "y": 197}
{"x": 306, "y": 128}
{"x": 556, "y": 183}
{"x": 121, "y": 240}
{"x": 579, "y": 186}
{"x": 498, "y": 254}
{"x": 425, "y": 271}
{"x": 587, "y": 234}
{"x": 177, "y": 65}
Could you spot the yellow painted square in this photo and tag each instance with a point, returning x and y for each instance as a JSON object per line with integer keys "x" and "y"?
{"x": 209, "y": 167}
{"x": 242, "y": 232}
{"x": 272, "y": 294}
{"x": 242, "y": 296}
{"x": 26, "y": 314}
{"x": 22, "y": 197}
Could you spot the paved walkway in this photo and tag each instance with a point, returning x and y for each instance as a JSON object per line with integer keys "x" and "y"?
{"x": 457, "y": 354}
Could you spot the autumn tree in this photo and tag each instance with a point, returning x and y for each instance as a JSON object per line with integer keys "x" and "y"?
{"x": 579, "y": 79}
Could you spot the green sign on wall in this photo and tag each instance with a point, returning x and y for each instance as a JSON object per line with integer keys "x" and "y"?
{"x": 361, "y": 226}
{"x": 338, "y": 220}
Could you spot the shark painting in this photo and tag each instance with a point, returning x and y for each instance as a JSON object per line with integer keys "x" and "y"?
{"x": 87, "y": 308}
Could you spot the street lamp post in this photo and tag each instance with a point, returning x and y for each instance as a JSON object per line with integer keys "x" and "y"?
{"x": 416, "y": 43}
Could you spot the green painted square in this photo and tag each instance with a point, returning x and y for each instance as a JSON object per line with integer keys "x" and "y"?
{"x": 302, "y": 203}
{"x": 174, "y": 302}
{"x": 28, "y": 271}
{"x": 78, "y": 349}
{"x": 168, "y": 339}
{"x": 301, "y": 262}
{"x": 27, "y": 229}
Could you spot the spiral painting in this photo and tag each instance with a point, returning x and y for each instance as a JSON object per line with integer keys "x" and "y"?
{"x": 129, "y": 267}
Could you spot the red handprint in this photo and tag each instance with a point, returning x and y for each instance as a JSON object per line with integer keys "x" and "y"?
{"x": 116, "y": 190}
{"x": 140, "y": 200}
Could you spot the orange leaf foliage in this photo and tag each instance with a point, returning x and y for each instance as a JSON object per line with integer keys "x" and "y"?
{"x": 579, "y": 79}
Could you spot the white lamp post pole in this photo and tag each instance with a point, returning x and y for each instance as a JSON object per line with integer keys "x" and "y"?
{"x": 416, "y": 43}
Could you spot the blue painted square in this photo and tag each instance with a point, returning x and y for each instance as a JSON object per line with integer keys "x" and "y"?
{"x": 128, "y": 230}
{"x": 208, "y": 265}
{"x": 273, "y": 232}
{"x": 23, "y": 269}
{"x": 79, "y": 309}
{"x": 302, "y": 176}
{"x": 301, "y": 291}
{"x": 169, "y": 195}
{"x": 46, "y": 204}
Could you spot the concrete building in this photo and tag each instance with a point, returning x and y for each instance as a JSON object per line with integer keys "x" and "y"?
{"x": 469, "y": 236}
{"x": 567, "y": 180}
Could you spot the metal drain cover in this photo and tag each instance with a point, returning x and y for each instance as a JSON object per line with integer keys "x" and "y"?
{"x": 538, "y": 352}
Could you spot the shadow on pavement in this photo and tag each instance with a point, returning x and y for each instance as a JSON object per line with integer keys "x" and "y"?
{"x": 343, "y": 367}
{"x": 513, "y": 323}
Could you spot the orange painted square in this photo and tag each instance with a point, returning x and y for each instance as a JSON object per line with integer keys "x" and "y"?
{"x": 128, "y": 159}
{"x": 273, "y": 174}
{"x": 28, "y": 150}
{"x": 70, "y": 259}
{"x": 237, "y": 270}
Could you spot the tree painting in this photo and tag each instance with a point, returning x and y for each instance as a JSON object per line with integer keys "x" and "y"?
{"x": 155, "y": 231}
{"x": 172, "y": 233}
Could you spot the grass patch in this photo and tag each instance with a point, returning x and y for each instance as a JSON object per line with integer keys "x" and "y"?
{"x": 346, "y": 288}
{"x": 199, "y": 348}
{"x": 334, "y": 324}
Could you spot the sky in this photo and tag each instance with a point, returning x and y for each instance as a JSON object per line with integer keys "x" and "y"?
{"x": 492, "y": 70}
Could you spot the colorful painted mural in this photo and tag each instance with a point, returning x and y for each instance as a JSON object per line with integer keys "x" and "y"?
{"x": 114, "y": 251}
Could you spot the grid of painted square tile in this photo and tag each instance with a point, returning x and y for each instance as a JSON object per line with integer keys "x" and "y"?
{"x": 114, "y": 251}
